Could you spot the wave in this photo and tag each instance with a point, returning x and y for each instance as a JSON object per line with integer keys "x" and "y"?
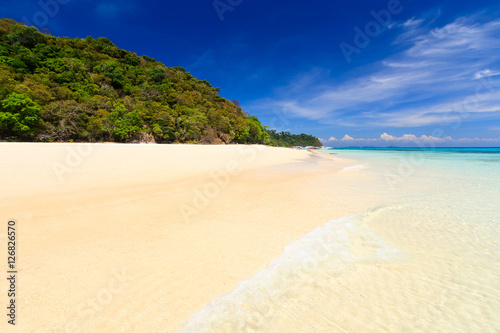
{"x": 354, "y": 167}
{"x": 313, "y": 261}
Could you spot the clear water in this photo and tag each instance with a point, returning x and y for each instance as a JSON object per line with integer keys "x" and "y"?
{"x": 427, "y": 259}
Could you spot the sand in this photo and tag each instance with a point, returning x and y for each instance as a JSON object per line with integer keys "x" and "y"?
{"x": 136, "y": 238}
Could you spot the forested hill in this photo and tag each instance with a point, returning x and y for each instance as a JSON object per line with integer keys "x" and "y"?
{"x": 63, "y": 89}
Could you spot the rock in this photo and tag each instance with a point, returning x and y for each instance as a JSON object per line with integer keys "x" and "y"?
{"x": 142, "y": 137}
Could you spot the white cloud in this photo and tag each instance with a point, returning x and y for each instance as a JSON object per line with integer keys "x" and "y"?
{"x": 429, "y": 83}
{"x": 331, "y": 139}
{"x": 387, "y": 137}
{"x": 459, "y": 36}
{"x": 485, "y": 73}
{"x": 412, "y": 23}
{"x": 411, "y": 140}
{"x": 347, "y": 138}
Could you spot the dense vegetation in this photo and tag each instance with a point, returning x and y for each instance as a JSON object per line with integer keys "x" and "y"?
{"x": 285, "y": 139}
{"x": 63, "y": 89}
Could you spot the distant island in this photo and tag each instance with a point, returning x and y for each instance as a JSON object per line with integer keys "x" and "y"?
{"x": 59, "y": 89}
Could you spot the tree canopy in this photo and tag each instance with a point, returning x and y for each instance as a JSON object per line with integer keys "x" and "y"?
{"x": 285, "y": 139}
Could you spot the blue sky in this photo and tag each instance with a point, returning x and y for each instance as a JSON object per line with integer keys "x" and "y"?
{"x": 352, "y": 73}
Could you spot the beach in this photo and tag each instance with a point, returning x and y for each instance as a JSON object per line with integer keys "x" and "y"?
{"x": 193, "y": 238}
{"x": 422, "y": 258}
{"x": 128, "y": 238}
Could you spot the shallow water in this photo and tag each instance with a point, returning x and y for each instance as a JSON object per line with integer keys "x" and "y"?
{"x": 427, "y": 259}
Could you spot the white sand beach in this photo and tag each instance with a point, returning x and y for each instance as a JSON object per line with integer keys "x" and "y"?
{"x": 135, "y": 238}
{"x": 191, "y": 238}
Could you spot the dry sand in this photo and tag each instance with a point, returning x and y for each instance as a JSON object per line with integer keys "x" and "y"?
{"x": 135, "y": 238}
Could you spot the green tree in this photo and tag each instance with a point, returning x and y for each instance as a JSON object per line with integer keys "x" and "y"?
{"x": 157, "y": 75}
{"x": 25, "y": 36}
{"x": 125, "y": 123}
{"x": 256, "y": 132}
{"x": 19, "y": 116}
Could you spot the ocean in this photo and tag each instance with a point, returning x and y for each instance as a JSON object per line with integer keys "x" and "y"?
{"x": 425, "y": 259}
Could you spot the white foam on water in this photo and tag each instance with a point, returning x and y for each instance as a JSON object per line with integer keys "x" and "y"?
{"x": 314, "y": 260}
{"x": 353, "y": 168}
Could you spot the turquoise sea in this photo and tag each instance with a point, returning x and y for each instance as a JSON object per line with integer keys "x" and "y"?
{"x": 426, "y": 258}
